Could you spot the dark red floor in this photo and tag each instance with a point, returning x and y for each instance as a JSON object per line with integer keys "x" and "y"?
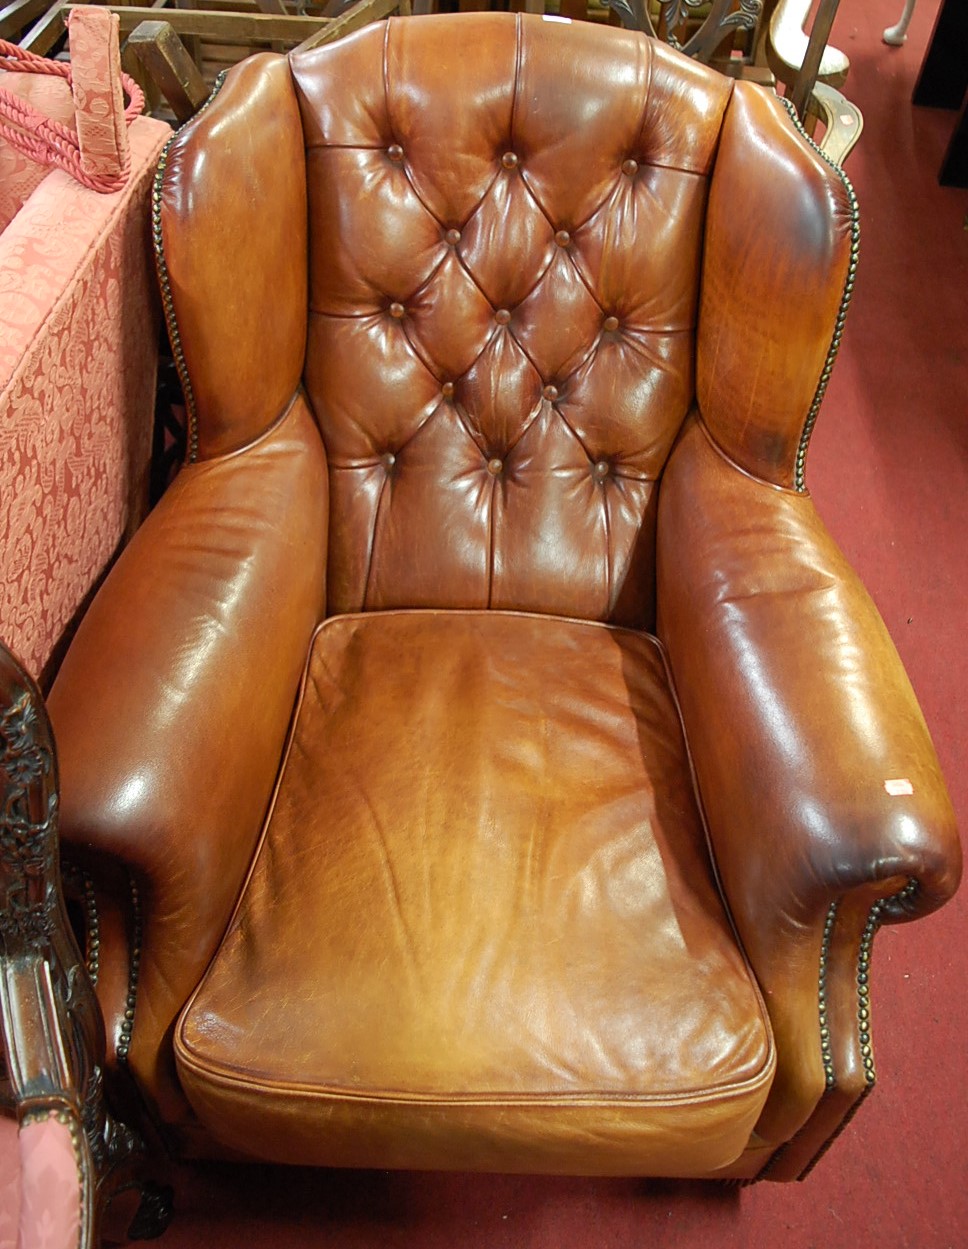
{"x": 889, "y": 469}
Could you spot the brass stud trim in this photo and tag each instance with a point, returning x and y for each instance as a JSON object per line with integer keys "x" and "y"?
{"x": 875, "y": 918}
{"x": 81, "y": 883}
{"x": 848, "y": 291}
{"x": 826, "y": 1053}
{"x": 92, "y": 924}
{"x": 874, "y": 921}
{"x": 134, "y": 973}
{"x": 164, "y": 282}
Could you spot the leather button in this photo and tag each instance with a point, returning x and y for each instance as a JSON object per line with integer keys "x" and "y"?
{"x": 502, "y": 316}
{"x": 610, "y": 325}
{"x": 509, "y": 160}
{"x": 452, "y": 237}
{"x": 600, "y": 469}
{"x": 396, "y": 311}
{"x": 495, "y": 467}
{"x": 395, "y": 153}
{"x": 550, "y": 393}
{"x": 447, "y": 390}
{"x": 562, "y": 238}
{"x": 630, "y": 167}
{"x": 388, "y": 460}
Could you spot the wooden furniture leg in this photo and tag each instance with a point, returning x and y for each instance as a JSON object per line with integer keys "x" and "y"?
{"x": 52, "y": 1030}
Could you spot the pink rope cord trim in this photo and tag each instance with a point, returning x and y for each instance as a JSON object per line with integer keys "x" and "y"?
{"x": 49, "y": 142}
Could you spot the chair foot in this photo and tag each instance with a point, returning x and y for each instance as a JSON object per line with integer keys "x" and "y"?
{"x": 897, "y": 35}
{"x": 154, "y": 1212}
{"x": 51, "y": 1023}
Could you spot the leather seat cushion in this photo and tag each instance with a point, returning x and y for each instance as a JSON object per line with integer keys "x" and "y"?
{"x": 482, "y": 930}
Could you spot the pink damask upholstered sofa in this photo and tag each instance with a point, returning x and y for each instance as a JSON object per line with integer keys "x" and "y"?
{"x": 77, "y": 351}
{"x": 78, "y": 356}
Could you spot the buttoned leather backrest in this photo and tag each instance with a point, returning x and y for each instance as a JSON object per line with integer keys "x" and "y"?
{"x": 505, "y": 227}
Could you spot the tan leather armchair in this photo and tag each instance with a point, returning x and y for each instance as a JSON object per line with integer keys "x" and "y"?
{"x": 509, "y": 770}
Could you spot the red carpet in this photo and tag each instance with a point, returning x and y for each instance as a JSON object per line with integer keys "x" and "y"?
{"x": 889, "y": 469}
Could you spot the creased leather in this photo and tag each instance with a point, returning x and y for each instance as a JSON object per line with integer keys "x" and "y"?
{"x": 502, "y": 287}
{"x": 171, "y": 708}
{"x": 481, "y": 912}
{"x": 233, "y": 222}
{"x": 503, "y": 299}
{"x": 797, "y": 711}
{"x": 774, "y": 270}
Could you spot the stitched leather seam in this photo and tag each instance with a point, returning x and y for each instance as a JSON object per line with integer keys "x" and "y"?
{"x": 745, "y": 472}
{"x": 717, "y": 1093}
{"x": 710, "y": 848}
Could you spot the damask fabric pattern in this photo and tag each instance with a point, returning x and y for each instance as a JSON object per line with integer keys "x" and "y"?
{"x": 99, "y": 112}
{"x": 40, "y": 1194}
{"x": 77, "y": 370}
{"x": 19, "y": 175}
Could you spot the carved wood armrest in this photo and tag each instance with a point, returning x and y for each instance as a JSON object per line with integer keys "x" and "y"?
{"x": 53, "y": 1034}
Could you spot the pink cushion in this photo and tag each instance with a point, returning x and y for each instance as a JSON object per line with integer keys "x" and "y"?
{"x": 78, "y": 348}
{"x": 18, "y": 173}
{"x": 92, "y": 106}
{"x": 9, "y": 1183}
{"x": 98, "y": 107}
{"x": 40, "y": 1186}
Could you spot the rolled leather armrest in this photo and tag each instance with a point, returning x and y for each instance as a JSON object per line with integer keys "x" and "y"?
{"x": 172, "y": 705}
{"x": 817, "y": 776}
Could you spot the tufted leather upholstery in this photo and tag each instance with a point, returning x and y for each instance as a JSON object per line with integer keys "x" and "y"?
{"x": 492, "y": 368}
{"x": 501, "y": 341}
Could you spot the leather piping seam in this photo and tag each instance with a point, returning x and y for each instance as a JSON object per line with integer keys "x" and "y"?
{"x": 711, "y": 849}
{"x": 164, "y": 282}
{"x": 321, "y": 1092}
{"x": 734, "y": 464}
{"x": 834, "y": 348}
{"x": 265, "y": 435}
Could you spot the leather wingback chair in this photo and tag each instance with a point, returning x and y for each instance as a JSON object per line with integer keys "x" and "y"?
{"x": 509, "y": 770}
